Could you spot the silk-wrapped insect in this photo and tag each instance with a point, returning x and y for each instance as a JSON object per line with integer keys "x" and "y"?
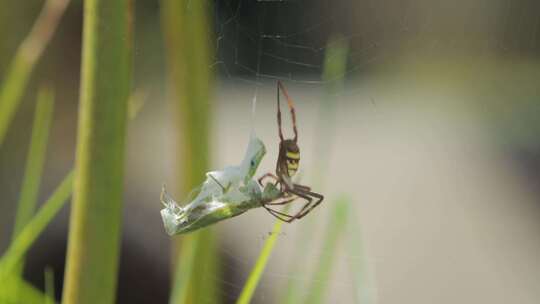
{"x": 223, "y": 195}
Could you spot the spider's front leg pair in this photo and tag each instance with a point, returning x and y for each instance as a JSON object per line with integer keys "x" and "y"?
{"x": 289, "y": 194}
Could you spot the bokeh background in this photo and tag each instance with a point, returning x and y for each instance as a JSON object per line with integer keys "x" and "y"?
{"x": 434, "y": 141}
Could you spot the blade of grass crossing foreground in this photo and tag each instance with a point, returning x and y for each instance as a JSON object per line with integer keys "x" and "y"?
{"x": 35, "y": 226}
{"x": 28, "y": 53}
{"x": 16, "y": 290}
{"x": 95, "y": 220}
{"x": 364, "y": 290}
{"x": 20, "y": 245}
{"x": 187, "y": 36}
{"x": 181, "y": 284}
{"x": 260, "y": 265}
{"x": 334, "y": 232}
{"x": 334, "y": 69}
{"x": 49, "y": 285}
{"x": 34, "y": 162}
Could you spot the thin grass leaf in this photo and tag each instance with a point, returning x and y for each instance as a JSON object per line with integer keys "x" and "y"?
{"x": 31, "y": 231}
{"x": 181, "y": 284}
{"x": 26, "y": 57}
{"x": 364, "y": 290}
{"x": 260, "y": 265}
{"x": 334, "y": 70}
{"x": 334, "y": 232}
{"x": 96, "y": 213}
{"x": 49, "y": 285}
{"x": 34, "y": 162}
{"x": 187, "y": 36}
{"x": 16, "y": 290}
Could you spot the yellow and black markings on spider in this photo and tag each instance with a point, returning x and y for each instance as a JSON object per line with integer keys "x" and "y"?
{"x": 286, "y": 166}
{"x": 293, "y": 159}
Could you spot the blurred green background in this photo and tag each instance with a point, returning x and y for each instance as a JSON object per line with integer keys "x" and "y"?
{"x": 431, "y": 138}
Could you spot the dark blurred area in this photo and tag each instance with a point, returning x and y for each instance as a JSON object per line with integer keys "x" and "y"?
{"x": 486, "y": 51}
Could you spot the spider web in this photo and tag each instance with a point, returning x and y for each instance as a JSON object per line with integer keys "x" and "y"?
{"x": 279, "y": 39}
{"x": 259, "y": 42}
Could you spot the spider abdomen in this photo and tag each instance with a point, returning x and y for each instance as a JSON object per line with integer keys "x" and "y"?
{"x": 293, "y": 161}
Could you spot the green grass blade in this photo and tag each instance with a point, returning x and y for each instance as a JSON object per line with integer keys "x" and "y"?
{"x": 260, "y": 265}
{"x": 183, "y": 272}
{"x": 31, "y": 231}
{"x": 334, "y": 232}
{"x": 334, "y": 70}
{"x": 28, "y": 53}
{"x": 18, "y": 247}
{"x": 364, "y": 290}
{"x": 16, "y": 290}
{"x": 49, "y": 285}
{"x": 35, "y": 161}
{"x": 187, "y": 36}
{"x": 96, "y": 213}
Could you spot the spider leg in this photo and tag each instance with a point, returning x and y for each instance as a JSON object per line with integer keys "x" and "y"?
{"x": 279, "y": 115}
{"x": 307, "y": 209}
{"x": 260, "y": 180}
{"x": 280, "y": 215}
{"x": 304, "y": 195}
{"x": 276, "y": 202}
{"x": 291, "y": 109}
{"x": 302, "y": 187}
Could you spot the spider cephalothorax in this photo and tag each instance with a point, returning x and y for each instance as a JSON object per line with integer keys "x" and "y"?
{"x": 286, "y": 167}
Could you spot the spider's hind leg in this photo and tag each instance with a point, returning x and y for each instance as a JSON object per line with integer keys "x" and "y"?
{"x": 267, "y": 175}
{"x": 280, "y": 215}
{"x": 301, "y": 187}
{"x": 307, "y": 209}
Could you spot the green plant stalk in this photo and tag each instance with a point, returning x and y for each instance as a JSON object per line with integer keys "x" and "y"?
{"x": 28, "y": 53}
{"x": 34, "y": 162}
{"x": 186, "y": 28}
{"x": 16, "y": 290}
{"x": 364, "y": 291}
{"x": 255, "y": 276}
{"x": 49, "y": 285}
{"x": 334, "y": 70}
{"x": 31, "y": 231}
{"x": 334, "y": 232}
{"x": 20, "y": 245}
{"x": 35, "y": 226}
{"x": 95, "y": 221}
{"x": 180, "y": 289}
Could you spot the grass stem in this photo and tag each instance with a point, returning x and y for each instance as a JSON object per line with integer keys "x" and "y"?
{"x": 22, "y": 65}
{"x": 255, "y": 276}
{"x": 34, "y": 162}
{"x": 336, "y": 228}
{"x": 186, "y": 27}
{"x": 95, "y": 221}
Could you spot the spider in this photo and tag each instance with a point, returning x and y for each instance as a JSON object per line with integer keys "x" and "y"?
{"x": 286, "y": 167}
